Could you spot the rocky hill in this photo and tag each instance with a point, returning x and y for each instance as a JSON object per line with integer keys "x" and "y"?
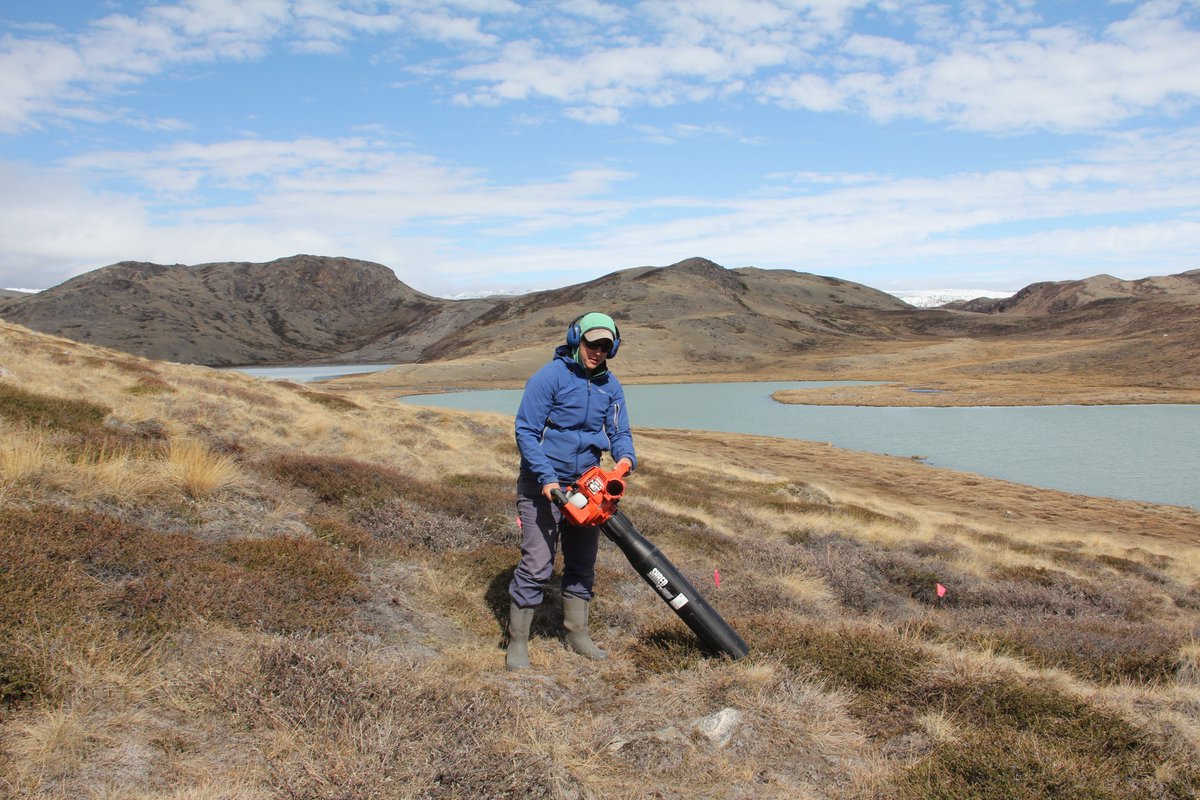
{"x": 308, "y": 308}
{"x": 9, "y": 294}
{"x": 693, "y": 312}
{"x": 685, "y": 321}
{"x": 290, "y": 310}
{"x": 1055, "y": 297}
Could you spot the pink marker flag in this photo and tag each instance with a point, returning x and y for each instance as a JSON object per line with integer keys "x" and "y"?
{"x": 941, "y": 590}
{"x": 717, "y": 578}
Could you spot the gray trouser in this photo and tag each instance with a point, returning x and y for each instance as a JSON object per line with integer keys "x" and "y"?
{"x": 542, "y": 527}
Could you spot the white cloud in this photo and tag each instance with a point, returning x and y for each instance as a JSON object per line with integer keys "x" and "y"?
{"x": 361, "y": 196}
{"x": 880, "y": 48}
{"x": 49, "y": 221}
{"x": 595, "y": 115}
{"x": 981, "y": 66}
{"x": 992, "y": 68}
{"x": 52, "y": 75}
{"x": 446, "y": 28}
{"x": 1057, "y": 78}
{"x": 1061, "y": 80}
{"x": 31, "y": 73}
{"x": 355, "y": 196}
{"x": 607, "y": 13}
{"x": 810, "y": 92}
{"x": 65, "y": 76}
{"x": 978, "y": 66}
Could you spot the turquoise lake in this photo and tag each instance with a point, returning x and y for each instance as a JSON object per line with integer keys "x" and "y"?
{"x": 1134, "y": 452}
{"x": 1149, "y": 453}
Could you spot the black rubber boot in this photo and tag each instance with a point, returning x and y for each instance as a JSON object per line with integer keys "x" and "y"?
{"x": 519, "y": 620}
{"x": 575, "y": 621}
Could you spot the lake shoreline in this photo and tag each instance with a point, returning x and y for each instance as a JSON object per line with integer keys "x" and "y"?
{"x": 882, "y": 393}
{"x": 1065, "y": 447}
{"x": 959, "y": 395}
{"x": 935, "y": 372}
{"x": 970, "y": 497}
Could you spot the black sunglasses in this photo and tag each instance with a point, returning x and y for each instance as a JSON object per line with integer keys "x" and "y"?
{"x": 603, "y": 345}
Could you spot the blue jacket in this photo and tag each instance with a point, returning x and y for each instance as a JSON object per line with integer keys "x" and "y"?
{"x": 566, "y": 420}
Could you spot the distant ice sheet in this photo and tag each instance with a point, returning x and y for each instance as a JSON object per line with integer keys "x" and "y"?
{"x": 928, "y": 298}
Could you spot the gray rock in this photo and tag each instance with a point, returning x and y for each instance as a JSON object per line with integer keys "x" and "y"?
{"x": 719, "y": 728}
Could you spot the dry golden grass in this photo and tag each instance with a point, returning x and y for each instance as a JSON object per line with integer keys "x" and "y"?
{"x": 1189, "y": 664}
{"x": 234, "y": 590}
{"x": 51, "y": 746}
{"x": 24, "y": 457}
{"x": 940, "y": 726}
{"x": 198, "y": 471}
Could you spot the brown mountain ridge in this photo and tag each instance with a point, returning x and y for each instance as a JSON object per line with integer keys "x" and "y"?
{"x": 687, "y": 321}
{"x": 310, "y": 308}
{"x": 290, "y": 310}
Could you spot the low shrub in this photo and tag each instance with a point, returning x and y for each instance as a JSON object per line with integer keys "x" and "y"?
{"x": 51, "y": 587}
{"x": 334, "y": 479}
{"x": 279, "y": 585}
{"x": 385, "y": 729}
{"x": 464, "y": 495}
{"x": 228, "y": 388}
{"x": 22, "y": 678}
{"x": 121, "y": 364}
{"x": 1151, "y": 572}
{"x": 149, "y": 384}
{"x": 339, "y": 533}
{"x": 455, "y": 513}
{"x": 863, "y": 659}
{"x": 333, "y": 402}
{"x": 1029, "y": 705}
{"x": 1025, "y": 591}
{"x": 483, "y": 567}
{"x": 867, "y": 516}
{"x": 297, "y": 584}
{"x": 1105, "y": 650}
{"x": 41, "y": 592}
{"x": 75, "y": 425}
{"x": 1005, "y": 766}
{"x": 429, "y": 528}
{"x": 1025, "y": 739}
{"x": 696, "y": 489}
{"x": 62, "y": 567}
{"x": 666, "y": 648}
{"x": 45, "y": 411}
{"x": 872, "y": 578}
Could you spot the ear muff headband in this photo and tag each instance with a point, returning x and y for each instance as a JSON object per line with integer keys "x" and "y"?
{"x": 575, "y": 335}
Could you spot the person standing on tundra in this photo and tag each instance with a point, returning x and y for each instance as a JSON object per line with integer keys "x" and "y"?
{"x": 572, "y": 410}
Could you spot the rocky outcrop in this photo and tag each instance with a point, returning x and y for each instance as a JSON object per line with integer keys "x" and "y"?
{"x": 1055, "y": 297}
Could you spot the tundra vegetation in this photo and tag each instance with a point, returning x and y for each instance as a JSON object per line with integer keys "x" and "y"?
{"x": 215, "y": 586}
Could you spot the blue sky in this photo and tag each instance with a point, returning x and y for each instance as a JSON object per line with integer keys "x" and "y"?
{"x": 497, "y": 145}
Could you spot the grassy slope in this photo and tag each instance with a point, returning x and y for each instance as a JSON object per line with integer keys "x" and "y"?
{"x": 214, "y": 586}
